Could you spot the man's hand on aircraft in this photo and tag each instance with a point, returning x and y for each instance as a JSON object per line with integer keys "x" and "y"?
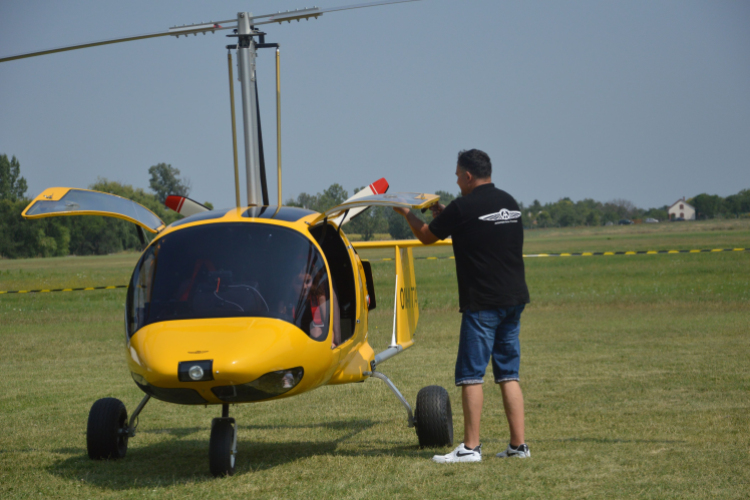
{"x": 437, "y": 209}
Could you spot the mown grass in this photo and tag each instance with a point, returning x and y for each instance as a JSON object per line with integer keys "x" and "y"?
{"x": 634, "y": 372}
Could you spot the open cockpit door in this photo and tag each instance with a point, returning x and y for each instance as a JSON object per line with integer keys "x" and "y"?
{"x": 58, "y": 202}
{"x": 380, "y": 186}
{"x": 405, "y": 200}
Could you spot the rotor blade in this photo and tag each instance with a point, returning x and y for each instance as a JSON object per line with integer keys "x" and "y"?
{"x": 291, "y": 15}
{"x": 194, "y": 29}
{"x": 176, "y": 31}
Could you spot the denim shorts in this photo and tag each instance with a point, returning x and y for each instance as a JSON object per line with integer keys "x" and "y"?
{"x": 490, "y": 332}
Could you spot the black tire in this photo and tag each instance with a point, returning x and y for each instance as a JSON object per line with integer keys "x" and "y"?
{"x": 434, "y": 420}
{"x": 106, "y": 433}
{"x": 220, "y": 454}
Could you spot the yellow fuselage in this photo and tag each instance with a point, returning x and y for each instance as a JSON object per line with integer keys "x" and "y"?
{"x": 242, "y": 349}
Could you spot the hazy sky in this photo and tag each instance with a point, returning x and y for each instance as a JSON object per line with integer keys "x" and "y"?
{"x": 642, "y": 100}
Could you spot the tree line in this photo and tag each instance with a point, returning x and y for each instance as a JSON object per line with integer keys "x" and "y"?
{"x": 566, "y": 213}
{"x": 711, "y": 206}
{"x": 59, "y": 236}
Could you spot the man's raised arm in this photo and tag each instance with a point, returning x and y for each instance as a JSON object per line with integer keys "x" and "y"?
{"x": 420, "y": 229}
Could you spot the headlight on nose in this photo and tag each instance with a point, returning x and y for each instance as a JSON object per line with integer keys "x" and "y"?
{"x": 268, "y": 386}
{"x": 195, "y": 371}
{"x": 278, "y": 382}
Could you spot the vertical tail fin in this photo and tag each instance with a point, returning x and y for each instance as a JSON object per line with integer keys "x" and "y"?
{"x": 406, "y": 307}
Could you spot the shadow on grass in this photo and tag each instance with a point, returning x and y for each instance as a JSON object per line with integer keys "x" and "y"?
{"x": 178, "y": 432}
{"x": 608, "y": 440}
{"x": 182, "y": 461}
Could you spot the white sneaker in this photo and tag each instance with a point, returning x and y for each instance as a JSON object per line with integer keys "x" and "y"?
{"x": 521, "y": 452}
{"x": 460, "y": 454}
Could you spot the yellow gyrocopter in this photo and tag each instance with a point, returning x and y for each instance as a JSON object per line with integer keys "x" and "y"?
{"x": 251, "y": 303}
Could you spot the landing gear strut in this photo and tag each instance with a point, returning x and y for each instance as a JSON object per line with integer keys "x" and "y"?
{"x": 108, "y": 428}
{"x": 222, "y": 448}
{"x": 432, "y": 416}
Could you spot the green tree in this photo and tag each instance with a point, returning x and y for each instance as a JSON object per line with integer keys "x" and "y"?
{"x": 329, "y": 198}
{"x": 707, "y": 206}
{"x": 659, "y": 214}
{"x": 20, "y": 238}
{"x": 398, "y": 228}
{"x": 368, "y": 223}
{"x": 165, "y": 180}
{"x": 593, "y": 219}
{"x": 737, "y": 204}
{"x": 12, "y": 185}
{"x": 304, "y": 200}
{"x": 544, "y": 219}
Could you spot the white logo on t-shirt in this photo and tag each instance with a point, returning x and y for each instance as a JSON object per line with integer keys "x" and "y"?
{"x": 503, "y": 215}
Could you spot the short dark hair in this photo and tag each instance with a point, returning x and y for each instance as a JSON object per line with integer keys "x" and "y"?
{"x": 475, "y": 161}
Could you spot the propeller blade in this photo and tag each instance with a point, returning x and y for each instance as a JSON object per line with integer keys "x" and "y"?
{"x": 184, "y": 205}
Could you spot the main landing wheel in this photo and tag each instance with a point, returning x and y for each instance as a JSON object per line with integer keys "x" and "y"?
{"x": 222, "y": 448}
{"x": 433, "y": 417}
{"x": 107, "y": 431}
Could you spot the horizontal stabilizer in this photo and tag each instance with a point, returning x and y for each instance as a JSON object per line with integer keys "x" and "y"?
{"x": 184, "y": 205}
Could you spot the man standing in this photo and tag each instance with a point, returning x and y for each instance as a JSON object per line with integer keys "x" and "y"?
{"x": 485, "y": 225}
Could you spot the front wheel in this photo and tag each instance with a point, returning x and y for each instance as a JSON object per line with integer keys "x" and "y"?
{"x": 433, "y": 417}
{"x": 107, "y": 430}
{"x": 222, "y": 448}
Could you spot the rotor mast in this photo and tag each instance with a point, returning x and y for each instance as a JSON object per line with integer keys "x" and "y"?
{"x": 246, "y": 55}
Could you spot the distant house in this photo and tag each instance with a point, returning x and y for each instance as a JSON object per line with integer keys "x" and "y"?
{"x": 681, "y": 209}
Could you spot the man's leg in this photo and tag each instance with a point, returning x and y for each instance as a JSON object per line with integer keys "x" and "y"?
{"x": 474, "y": 350}
{"x": 513, "y": 403}
{"x": 506, "y": 361}
{"x": 472, "y": 398}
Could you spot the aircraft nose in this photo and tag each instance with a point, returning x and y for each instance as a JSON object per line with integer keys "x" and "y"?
{"x": 230, "y": 360}
{"x": 267, "y": 386}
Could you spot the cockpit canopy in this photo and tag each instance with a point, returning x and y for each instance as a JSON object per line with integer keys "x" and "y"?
{"x": 231, "y": 270}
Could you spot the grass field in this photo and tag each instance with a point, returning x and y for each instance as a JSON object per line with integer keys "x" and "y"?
{"x": 635, "y": 374}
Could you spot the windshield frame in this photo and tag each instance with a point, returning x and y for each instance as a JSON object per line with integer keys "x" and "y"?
{"x": 279, "y": 275}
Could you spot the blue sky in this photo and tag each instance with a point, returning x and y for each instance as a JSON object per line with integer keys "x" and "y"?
{"x": 646, "y": 101}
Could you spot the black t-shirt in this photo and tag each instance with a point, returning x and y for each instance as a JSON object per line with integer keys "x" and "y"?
{"x": 488, "y": 246}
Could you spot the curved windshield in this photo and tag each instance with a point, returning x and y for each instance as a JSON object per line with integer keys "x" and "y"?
{"x": 231, "y": 270}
